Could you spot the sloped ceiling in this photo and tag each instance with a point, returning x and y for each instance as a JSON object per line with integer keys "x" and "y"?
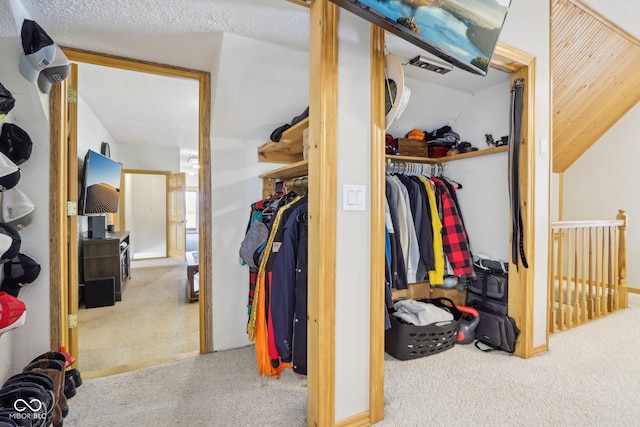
{"x": 595, "y": 78}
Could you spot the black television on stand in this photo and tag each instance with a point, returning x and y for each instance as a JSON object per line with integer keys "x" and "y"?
{"x": 100, "y": 192}
{"x": 461, "y": 32}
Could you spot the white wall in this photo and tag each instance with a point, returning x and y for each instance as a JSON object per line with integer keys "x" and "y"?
{"x": 147, "y": 157}
{"x": 267, "y": 86}
{"x": 424, "y": 113}
{"x": 604, "y": 180}
{"x": 527, "y": 28}
{"x": 91, "y": 135}
{"x": 146, "y": 214}
{"x": 353, "y": 228}
{"x": 484, "y": 197}
{"x": 19, "y": 346}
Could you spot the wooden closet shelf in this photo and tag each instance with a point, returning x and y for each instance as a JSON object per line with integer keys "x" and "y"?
{"x": 445, "y": 159}
{"x": 288, "y": 149}
{"x": 294, "y": 170}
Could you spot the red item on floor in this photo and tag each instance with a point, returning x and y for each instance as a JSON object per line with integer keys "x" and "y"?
{"x": 68, "y": 356}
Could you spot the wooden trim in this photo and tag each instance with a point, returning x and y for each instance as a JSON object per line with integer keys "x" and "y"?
{"x": 145, "y": 172}
{"x": 359, "y": 420}
{"x": 560, "y": 225}
{"x": 135, "y": 366}
{"x": 623, "y": 287}
{"x": 205, "y": 226}
{"x": 560, "y": 195}
{"x": 58, "y": 244}
{"x": 72, "y": 221}
{"x": 540, "y": 349}
{"x": 516, "y": 58}
{"x": 606, "y": 22}
{"x": 58, "y": 255}
{"x": 323, "y": 78}
{"x": 376, "y": 363}
{"x": 300, "y": 3}
{"x": 106, "y": 60}
{"x": 521, "y": 299}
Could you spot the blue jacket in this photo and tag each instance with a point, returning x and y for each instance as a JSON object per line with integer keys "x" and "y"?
{"x": 283, "y": 283}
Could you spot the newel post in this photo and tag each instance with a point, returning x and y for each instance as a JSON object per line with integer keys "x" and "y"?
{"x": 622, "y": 259}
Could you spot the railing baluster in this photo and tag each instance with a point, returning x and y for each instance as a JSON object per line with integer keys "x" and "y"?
{"x": 622, "y": 259}
{"x": 576, "y": 280}
{"x": 587, "y": 271}
{"x": 599, "y": 257}
{"x": 561, "y": 318}
{"x": 583, "y": 292}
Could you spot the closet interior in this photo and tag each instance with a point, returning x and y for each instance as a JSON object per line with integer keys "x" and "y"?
{"x": 482, "y": 198}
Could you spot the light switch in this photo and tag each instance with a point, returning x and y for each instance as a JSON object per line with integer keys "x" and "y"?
{"x": 544, "y": 146}
{"x": 353, "y": 197}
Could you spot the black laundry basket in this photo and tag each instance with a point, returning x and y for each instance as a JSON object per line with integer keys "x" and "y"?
{"x": 405, "y": 342}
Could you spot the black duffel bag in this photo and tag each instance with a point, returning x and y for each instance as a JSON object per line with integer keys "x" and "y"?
{"x": 490, "y": 287}
{"x": 496, "y": 330}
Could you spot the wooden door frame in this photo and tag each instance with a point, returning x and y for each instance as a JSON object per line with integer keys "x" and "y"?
{"x": 63, "y": 159}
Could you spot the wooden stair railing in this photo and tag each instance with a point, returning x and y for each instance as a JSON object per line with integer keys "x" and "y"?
{"x": 587, "y": 271}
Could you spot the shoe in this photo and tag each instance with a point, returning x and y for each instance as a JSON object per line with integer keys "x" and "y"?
{"x": 27, "y": 404}
{"x": 5, "y": 421}
{"x": 70, "y": 359}
{"x": 55, "y": 370}
{"x": 277, "y": 133}
{"x": 69, "y": 383}
{"x": 301, "y": 117}
{"x": 75, "y": 375}
{"x": 13, "y": 312}
{"x": 37, "y": 378}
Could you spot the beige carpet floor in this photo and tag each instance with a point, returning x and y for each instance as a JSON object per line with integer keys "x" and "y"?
{"x": 153, "y": 321}
{"x": 590, "y": 377}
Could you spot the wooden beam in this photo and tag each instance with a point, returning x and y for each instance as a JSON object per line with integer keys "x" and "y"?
{"x": 323, "y": 78}
{"x": 376, "y": 375}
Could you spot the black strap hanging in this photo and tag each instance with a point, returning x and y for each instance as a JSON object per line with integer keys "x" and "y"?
{"x": 515, "y": 126}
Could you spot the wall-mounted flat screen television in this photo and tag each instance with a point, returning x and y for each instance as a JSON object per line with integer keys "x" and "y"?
{"x": 462, "y": 32}
{"x": 101, "y": 185}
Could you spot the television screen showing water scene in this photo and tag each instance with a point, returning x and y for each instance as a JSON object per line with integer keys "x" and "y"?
{"x": 463, "y": 32}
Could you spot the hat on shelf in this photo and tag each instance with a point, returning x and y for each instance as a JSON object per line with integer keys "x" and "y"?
{"x": 18, "y": 272}
{"x": 16, "y": 209}
{"x": 395, "y": 92}
{"x": 39, "y": 50}
{"x": 7, "y": 101}
{"x": 58, "y": 71}
{"x": 9, "y": 242}
{"x": 9, "y": 173}
{"x": 12, "y": 312}
{"x": 15, "y": 143}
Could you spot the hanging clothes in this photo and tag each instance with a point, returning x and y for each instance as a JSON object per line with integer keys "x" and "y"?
{"x": 454, "y": 235}
{"x": 288, "y": 303}
{"x": 260, "y": 317}
{"x": 426, "y": 230}
{"x": 436, "y": 276}
{"x": 399, "y": 279}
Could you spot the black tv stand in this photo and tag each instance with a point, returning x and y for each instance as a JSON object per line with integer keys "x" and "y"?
{"x": 108, "y": 257}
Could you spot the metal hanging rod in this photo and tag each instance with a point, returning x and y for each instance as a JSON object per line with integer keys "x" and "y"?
{"x": 409, "y": 168}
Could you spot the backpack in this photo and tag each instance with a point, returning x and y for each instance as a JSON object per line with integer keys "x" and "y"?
{"x": 495, "y": 330}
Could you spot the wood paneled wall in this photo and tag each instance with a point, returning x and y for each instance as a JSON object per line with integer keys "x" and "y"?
{"x": 594, "y": 70}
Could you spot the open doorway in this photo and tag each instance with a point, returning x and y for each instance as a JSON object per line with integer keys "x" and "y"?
{"x": 64, "y": 173}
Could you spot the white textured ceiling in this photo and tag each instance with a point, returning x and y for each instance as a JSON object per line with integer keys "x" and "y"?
{"x": 186, "y": 33}
{"x": 176, "y": 32}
